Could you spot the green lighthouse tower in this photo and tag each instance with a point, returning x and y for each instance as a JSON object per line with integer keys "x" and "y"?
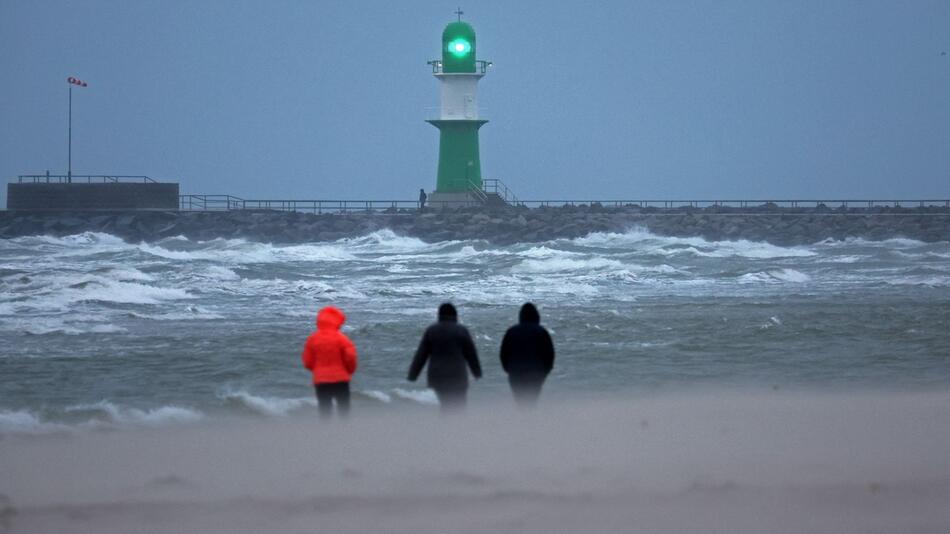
{"x": 458, "y": 72}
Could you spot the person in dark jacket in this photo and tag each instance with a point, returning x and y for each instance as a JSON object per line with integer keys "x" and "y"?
{"x": 527, "y": 355}
{"x": 448, "y": 348}
{"x": 422, "y": 199}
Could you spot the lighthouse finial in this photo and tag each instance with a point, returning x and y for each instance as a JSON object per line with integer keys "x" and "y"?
{"x": 459, "y": 12}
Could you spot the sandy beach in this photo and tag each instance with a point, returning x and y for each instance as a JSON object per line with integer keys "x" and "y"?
{"x": 696, "y": 462}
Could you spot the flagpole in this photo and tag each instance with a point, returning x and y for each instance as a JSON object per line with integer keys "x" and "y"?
{"x": 69, "y": 137}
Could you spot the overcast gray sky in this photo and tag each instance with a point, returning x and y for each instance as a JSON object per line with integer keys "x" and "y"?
{"x": 609, "y": 100}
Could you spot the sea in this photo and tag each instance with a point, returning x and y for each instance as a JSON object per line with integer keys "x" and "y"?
{"x": 98, "y": 332}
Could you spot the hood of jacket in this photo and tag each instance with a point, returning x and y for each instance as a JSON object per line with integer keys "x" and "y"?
{"x": 330, "y": 318}
{"x": 529, "y": 314}
{"x": 447, "y": 312}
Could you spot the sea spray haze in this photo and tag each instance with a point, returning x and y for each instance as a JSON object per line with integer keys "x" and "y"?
{"x": 779, "y": 462}
{"x": 97, "y": 331}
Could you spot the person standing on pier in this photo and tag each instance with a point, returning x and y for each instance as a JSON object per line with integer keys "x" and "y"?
{"x": 422, "y": 199}
{"x": 448, "y": 348}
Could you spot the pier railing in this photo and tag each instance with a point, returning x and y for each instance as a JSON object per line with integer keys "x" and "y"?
{"x": 741, "y": 204}
{"x": 82, "y": 179}
{"x": 230, "y": 202}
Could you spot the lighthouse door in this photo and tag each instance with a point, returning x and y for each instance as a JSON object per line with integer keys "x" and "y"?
{"x": 469, "y": 107}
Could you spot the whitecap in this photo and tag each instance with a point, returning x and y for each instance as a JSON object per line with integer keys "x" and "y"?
{"x": 643, "y": 241}
{"x": 40, "y": 326}
{"x": 377, "y": 395}
{"x": 387, "y": 240}
{"x": 775, "y": 275}
{"x": 566, "y": 264}
{"x": 25, "y": 422}
{"x": 845, "y": 259}
{"x": 223, "y": 274}
{"x": 134, "y": 416}
{"x": 81, "y": 240}
{"x": 271, "y": 406}
{"x": 926, "y": 281}
{"x": 543, "y": 253}
{"x": 129, "y": 274}
{"x": 188, "y": 313}
{"x": 422, "y": 396}
{"x": 121, "y": 292}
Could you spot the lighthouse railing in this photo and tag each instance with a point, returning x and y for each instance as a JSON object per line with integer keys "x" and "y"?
{"x": 481, "y": 66}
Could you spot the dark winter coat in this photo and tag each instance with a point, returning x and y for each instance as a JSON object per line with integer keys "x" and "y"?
{"x": 527, "y": 352}
{"x": 448, "y": 348}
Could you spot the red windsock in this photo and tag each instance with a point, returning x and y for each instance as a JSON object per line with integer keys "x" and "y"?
{"x": 76, "y": 81}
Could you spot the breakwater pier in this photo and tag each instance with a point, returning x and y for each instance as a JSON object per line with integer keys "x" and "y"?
{"x": 771, "y": 222}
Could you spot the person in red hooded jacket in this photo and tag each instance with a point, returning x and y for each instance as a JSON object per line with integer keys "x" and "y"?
{"x": 332, "y": 358}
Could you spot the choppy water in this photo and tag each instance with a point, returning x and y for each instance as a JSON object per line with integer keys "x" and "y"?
{"x": 96, "y": 331}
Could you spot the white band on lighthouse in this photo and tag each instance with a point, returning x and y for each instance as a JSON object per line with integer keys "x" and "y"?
{"x": 459, "y": 95}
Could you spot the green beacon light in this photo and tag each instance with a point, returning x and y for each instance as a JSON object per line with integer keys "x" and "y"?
{"x": 459, "y": 47}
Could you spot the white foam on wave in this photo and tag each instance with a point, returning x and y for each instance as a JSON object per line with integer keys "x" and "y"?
{"x": 312, "y": 253}
{"x": 222, "y": 274}
{"x": 386, "y": 240}
{"x": 641, "y": 240}
{"x": 894, "y": 242}
{"x": 468, "y": 253}
{"x": 518, "y": 288}
{"x": 128, "y": 274}
{"x": 104, "y": 290}
{"x": 82, "y": 240}
{"x": 112, "y": 413}
{"x": 187, "y": 313}
{"x": 422, "y": 396}
{"x": 41, "y": 327}
{"x": 296, "y": 288}
{"x": 97, "y": 415}
{"x": 845, "y": 259}
{"x": 920, "y": 280}
{"x": 381, "y": 396}
{"x": 25, "y": 422}
{"x": 775, "y": 275}
{"x": 543, "y": 253}
{"x": 559, "y": 264}
{"x": 753, "y": 250}
{"x": 240, "y": 251}
{"x": 58, "y": 291}
{"x": 270, "y": 406}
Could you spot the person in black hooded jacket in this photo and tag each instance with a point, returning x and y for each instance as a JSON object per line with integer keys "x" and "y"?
{"x": 527, "y": 355}
{"x": 447, "y": 347}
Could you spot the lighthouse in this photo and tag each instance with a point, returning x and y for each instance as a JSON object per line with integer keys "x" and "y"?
{"x": 459, "y": 179}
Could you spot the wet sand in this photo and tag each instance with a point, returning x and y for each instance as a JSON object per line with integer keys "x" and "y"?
{"x": 708, "y": 462}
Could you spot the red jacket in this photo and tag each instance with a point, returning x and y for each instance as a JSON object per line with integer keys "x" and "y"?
{"x": 328, "y": 353}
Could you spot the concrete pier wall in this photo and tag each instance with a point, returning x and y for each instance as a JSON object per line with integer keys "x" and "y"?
{"x": 95, "y": 196}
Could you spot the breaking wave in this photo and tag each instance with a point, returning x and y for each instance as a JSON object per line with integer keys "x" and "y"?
{"x": 103, "y": 414}
{"x": 776, "y": 275}
{"x": 271, "y": 406}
